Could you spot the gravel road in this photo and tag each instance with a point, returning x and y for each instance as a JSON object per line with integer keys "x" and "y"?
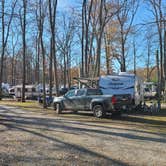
{"x": 44, "y": 138}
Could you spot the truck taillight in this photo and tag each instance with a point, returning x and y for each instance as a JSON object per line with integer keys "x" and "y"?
{"x": 113, "y": 100}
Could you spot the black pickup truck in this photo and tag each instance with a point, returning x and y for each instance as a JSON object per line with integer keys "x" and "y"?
{"x": 87, "y": 100}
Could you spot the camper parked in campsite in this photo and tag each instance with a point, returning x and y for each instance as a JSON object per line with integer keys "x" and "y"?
{"x": 150, "y": 90}
{"x": 125, "y": 87}
{"x": 30, "y": 91}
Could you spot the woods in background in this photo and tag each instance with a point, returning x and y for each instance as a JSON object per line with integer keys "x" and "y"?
{"x": 42, "y": 44}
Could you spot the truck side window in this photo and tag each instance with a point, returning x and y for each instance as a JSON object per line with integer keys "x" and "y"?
{"x": 94, "y": 92}
{"x": 70, "y": 93}
{"x": 80, "y": 93}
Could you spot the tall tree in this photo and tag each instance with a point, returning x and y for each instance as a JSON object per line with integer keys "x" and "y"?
{"x": 52, "y": 20}
{"x": 5, "y": 34}
{"x": 40, "y": 16}
{"x": 157, "y": 10}
{"x": 86, "y": 18}
{"x": 23, "y": 15}
{"x": 14, "y": 43}
{"x": 104, "y": 16}
{"x": 65, "y": 41}
{"x": 125, "y": 17}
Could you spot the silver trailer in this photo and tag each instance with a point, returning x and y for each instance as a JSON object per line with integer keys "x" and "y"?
{"x": 123, "y": 84}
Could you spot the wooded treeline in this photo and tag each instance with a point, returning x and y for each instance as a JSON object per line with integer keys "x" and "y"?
{"x": 42, "y": 44}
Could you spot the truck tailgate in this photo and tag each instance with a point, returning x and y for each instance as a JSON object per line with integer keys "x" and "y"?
{"x": 122, "y": 100}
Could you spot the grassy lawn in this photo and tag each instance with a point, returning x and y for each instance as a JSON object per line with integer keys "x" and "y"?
{"x": 145, "y": 122}
{"x": 28, "y": 105}
{"x": 35, "y": 106}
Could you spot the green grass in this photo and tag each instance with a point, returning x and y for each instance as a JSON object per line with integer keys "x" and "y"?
{"x": 35, "y": 106}
{"x": 153, "y": 123}
{"x": 28, "y": 105}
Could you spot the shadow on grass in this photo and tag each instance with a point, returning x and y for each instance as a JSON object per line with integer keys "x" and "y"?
{"x": 138, "y": 118}
{"x": 21, "y": 123}
{"x": 25, "y": 125}
{"x": 142, "y": 120}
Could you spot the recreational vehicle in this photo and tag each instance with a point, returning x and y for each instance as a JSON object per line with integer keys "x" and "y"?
{"x": 150, "y": 90}
{"x": 30, "y": 91}
{"x": 124, "y": 86}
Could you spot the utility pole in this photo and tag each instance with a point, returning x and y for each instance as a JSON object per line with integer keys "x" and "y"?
{"x": 158, "y": 82}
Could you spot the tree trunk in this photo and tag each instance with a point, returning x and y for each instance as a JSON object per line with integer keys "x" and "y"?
{"x": 148, "y": 64}
{"x": 64, "y": 70}
{"x": 52, "y": 17}
{"x": 82, "y": 39}
{"x": 24, "y": 50}
{"x": 44, "y": 75}
{"x": 37, "y": 71}
{"x": 123, "y": 59}
{"x": 3, "y": 49}
{"x": 50, "y": 70}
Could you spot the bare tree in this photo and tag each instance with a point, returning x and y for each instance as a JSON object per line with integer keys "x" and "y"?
{"x": 86, "y": 18}
{"x": 110, "y": 33}
{"x": 65, "y": 41}
{"x": 157, "y": 10}
{"x": 125, "y": 18}
{"x": 22, "y": 16}
{"x": 37, "y": 66}
{"x": 5, "y": 34}
{"x": 40, "y": 16}
{"x": 14, "y": 43}
{"x": 52, "y": 20}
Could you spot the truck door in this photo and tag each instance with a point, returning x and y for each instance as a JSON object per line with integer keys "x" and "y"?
{"x": 80, "y": 98}
{"x": 68, "y": 100}
{"x": 91, "y": 94}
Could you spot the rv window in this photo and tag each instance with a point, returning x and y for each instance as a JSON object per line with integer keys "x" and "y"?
{"x": 19, "y": 89}
{"x": 147, "y": 90}
{"x": 12, "y": 90}
{"x": 33, "y": 90}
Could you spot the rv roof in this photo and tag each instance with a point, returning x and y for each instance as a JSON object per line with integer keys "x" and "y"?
{"x": 126, "y": 74}
{"x": 27, "y": 86}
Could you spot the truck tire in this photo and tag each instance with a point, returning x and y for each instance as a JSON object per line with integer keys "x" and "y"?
{"x": 98, "y": 111}
{"x": 58, "y": 108}
{"x": 54, "y": 105}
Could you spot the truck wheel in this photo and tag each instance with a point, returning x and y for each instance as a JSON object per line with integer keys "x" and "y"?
{"x": 54, "y": 105}
{"x": 58, "y": 108}
{"x": 98, "y": 111}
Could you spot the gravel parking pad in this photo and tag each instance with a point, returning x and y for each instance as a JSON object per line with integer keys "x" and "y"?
{"x": 41, "y": 138}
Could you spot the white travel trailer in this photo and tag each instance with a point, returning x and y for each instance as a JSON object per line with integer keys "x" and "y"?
{"x": 150, "y": 90}
{"x": 123, "y": 84}
{"x": 30, "y": 91}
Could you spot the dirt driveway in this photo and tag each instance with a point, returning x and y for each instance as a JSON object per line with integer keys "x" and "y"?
{"x": 44, "y": 138}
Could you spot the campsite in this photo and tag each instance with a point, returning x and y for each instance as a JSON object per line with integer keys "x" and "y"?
{"x": 41, "y": 137}
{"x": 82, "y": 82}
